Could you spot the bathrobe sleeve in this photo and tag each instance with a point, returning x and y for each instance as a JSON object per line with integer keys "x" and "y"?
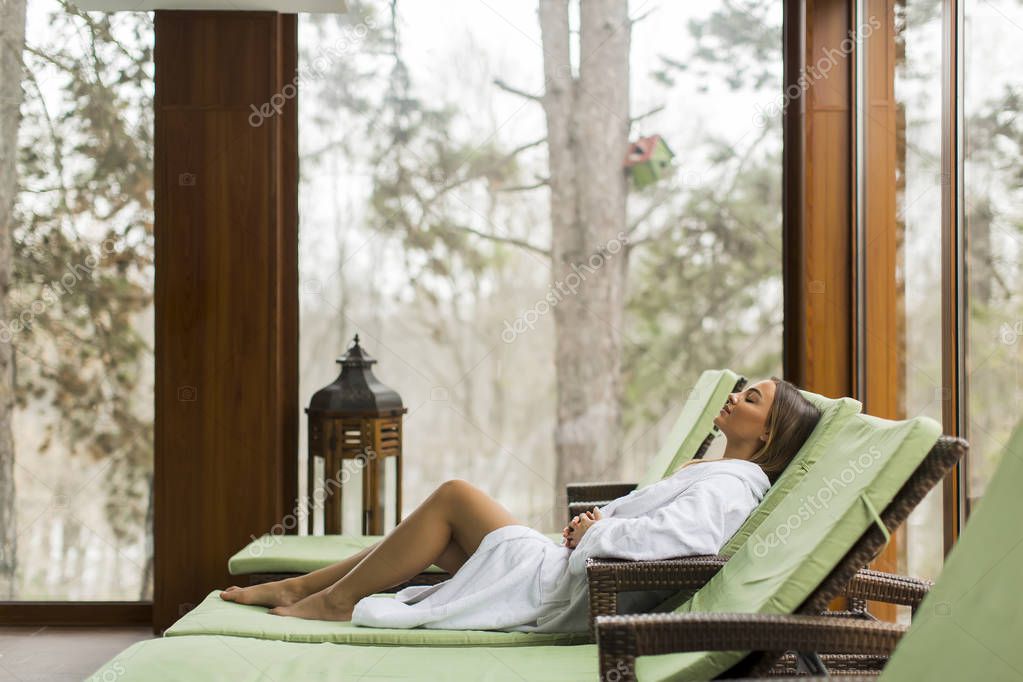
{"x": 699, "y": 521}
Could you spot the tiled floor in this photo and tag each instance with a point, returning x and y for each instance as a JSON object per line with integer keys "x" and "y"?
{"x": 61, "y": 654}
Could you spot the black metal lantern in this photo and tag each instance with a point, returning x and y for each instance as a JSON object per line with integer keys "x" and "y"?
{"x": 354, "y": 418}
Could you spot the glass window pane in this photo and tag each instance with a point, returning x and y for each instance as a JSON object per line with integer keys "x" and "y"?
{"x": 993, "y": 202}
{"x": 917, "y": 90}
{"x": 404, "y": 162}
{"x": 80, "y": 315}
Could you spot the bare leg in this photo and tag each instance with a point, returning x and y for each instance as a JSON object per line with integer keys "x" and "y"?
{"x": 456, "y": 513}
{"x": 290, "y": 590}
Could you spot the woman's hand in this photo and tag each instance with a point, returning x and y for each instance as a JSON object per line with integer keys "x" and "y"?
{"x": 577, "y": 527}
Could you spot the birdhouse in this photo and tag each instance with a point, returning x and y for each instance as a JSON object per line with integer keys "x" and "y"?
{"x": 648, "y": 160}
{"x": 359, "y": 419}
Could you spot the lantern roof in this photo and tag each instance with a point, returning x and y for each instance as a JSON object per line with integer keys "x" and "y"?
{"x": 356, "y": 391}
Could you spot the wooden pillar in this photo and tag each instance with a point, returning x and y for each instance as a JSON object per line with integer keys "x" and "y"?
{"x": 226, "y": 215}
{"x": 818, "y": 235}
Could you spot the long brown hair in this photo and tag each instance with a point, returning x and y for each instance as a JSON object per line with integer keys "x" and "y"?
{"x": 789, "y": 423}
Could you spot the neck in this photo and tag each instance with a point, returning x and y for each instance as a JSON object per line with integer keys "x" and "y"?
{"x": 739, "y": 449}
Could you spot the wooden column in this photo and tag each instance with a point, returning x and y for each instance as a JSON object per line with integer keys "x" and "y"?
{"x": 226, "y": 185}
{"x": 818, "y": 235}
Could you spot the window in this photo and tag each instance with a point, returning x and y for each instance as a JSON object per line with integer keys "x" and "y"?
{"x": 993, "y": 196}
{"x": 80, "y": 316}
{"x": 425, "y": 228}
{"x": 917, "y": 116}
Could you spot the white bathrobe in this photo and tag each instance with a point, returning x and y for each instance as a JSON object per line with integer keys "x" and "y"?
{"x": 519, "y": 579}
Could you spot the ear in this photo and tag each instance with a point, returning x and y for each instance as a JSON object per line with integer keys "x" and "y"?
{"x": 765, "y": 436}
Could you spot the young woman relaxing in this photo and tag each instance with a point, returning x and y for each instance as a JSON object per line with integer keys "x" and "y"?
{"x": 506, "y": 576}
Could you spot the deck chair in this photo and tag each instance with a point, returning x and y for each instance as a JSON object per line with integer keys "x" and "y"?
{"x": 215, "y": 616}
{"x": 688, "y": 574}
{"x": 275, "y": 557}
{"x": 968, "y": 626}
{"x": 844, "y": 539}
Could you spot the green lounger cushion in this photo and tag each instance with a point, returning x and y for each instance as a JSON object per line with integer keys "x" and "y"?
{"x": 970, "y": 625}
{"x": 694, "y": 424}
{"x": 214, "y": 616}
{"x": 305, "y": 553}
{"x": 237, "y": 659}
{"x": 806, "y": 535}
{"x": 834, "y": 412}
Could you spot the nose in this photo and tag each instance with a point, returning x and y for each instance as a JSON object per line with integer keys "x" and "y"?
{"x": 733, "y": 398}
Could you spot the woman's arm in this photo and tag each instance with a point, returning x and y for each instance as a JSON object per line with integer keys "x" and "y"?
{"x": 698, "y": 522}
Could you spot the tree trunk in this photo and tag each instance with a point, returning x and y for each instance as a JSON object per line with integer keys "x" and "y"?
{"x": 587, "y": 137}
{"x": 12, "y": 43}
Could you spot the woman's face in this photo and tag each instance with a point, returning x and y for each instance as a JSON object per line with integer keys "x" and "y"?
{"x": 744, "y": 416}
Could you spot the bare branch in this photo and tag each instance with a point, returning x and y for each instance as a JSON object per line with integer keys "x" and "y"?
{"x": 523, "y": 147}
{"x": 641, "y": 17}
{"x": 515, "y": 91}
{"x": 521, "y": 243}
{"x": 655, "y": 110}
{"x": 655, "y": 204}
{"x": 542, "y": 182}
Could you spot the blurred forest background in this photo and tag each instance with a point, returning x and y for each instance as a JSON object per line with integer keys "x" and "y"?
{"x": 425, "y": 226}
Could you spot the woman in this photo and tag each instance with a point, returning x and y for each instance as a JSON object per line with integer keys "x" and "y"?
{"x": 506, "y": 576}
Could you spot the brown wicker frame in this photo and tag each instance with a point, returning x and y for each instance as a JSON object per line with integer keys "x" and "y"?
{"x": 855, "y": 644}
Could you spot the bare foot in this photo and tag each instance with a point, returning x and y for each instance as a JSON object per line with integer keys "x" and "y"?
{"x": 278, "y": 593}
{"x": 326, "y": 604}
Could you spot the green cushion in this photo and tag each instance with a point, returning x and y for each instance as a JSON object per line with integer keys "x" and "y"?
{"x": 237, "y": 659}
{"x": 834, "y": 412}
{"x": 693, "y": 425}
{"x": 305, "y": 553}
{"x": 970, "y": 625}
{"x": 214, "y": 616}
{"x": 806, "y": 535}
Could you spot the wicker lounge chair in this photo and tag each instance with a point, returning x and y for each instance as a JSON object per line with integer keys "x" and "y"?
{"x": 967, "y": 626}
{"x": 645, "y": 646}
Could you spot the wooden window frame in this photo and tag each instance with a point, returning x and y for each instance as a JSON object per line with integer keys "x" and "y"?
{"x": 829, "y": 341}
{"x": 34, "y": 613}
